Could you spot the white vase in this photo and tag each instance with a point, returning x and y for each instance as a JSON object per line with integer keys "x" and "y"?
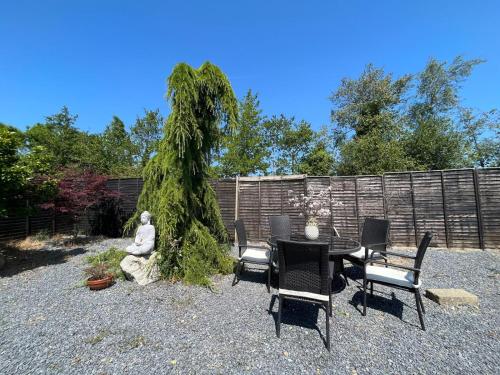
{"x": 312, "y": 232}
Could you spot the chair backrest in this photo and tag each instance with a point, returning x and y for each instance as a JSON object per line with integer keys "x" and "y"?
{"x": 422, "y": 248}
{"x": 241, "y": 232}
{"x": 280, "y": 227}
{"x": 303, "y": 266}
{"x": 375, "y": 231}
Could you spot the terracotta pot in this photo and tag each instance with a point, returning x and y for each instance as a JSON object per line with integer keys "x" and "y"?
{"x": 100, "y": 284}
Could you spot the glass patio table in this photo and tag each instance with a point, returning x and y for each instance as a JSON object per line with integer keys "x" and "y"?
{"x": 338, "y": 247}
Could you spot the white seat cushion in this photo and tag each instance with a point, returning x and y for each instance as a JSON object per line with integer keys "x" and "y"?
{"x": 255, "y": 255}
{"x": 391, "y": 276}
{"x": 297, "y": 293}
{"x": 360, "y": 254}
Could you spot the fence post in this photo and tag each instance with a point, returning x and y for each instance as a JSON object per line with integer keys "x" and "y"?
{"x": 332, "y": 225}
{"x": 413, "y": 209}
{"x": 281, "y": 194}
{"x": 384, "y": 204}
{"x": 479, "y": 213}
{"x": 259, "y": 218}
{"x": 27, "y": 224}
{"x": 445, "y": 213}
{"x": 236, "y": 204}
{"x": 53, "y": 222}
{"x": 357, "y": 203}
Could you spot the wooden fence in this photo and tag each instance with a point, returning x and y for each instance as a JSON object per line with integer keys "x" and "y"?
{"x": 461, "y": 207}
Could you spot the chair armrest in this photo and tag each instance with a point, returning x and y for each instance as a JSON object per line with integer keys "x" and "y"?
{"x": 395, "y": 265}
{"x": 397, "y": 254}
{"x": 370, "y": 245}
{"x": 256, "y": 247}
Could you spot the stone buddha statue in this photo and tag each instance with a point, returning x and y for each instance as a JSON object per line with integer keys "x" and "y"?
{"x": 140, "y": 265}
{"x": 144, "y": 242}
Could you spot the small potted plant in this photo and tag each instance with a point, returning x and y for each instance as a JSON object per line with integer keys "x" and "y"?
{"x": 98, "y": 277}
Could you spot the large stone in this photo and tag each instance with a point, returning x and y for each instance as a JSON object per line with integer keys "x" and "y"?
{"x": 452, "y": 297}
{"x": 143, "y": 270}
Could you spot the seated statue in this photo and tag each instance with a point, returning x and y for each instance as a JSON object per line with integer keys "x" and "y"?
{"x": 141, "y": 265}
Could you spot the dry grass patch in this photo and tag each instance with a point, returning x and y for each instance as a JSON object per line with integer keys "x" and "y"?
{"x": 29, "y": 243}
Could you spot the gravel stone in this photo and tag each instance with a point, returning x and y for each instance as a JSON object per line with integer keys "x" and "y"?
{"x": 51, "y": 324}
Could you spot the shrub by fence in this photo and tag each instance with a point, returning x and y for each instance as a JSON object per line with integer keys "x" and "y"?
{"x": 461, "y": 207}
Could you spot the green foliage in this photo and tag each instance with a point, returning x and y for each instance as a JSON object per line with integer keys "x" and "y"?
{"x": 434, "y": 144}
{"x": 117, "y": 150}
{"x": 111, "y": 259}
{"x": 368, "y": 103}
{"x": 371, "y": 154}
{"x": 481, "y": 150}
{"x": 59, "y": 139}
{"x": 319, "y": 162}
{"x": 18, "y": 169}
{"x": 439, "y": 85}
{"x": 244, "y": 150}
{"x": 379, "y": 128}
{"x": 145, "y": 135}
{"x": 176, "y": 180}
{"x": 289, "y": 142}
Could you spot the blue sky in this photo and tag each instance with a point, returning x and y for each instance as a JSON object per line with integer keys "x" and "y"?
{"x": 105, "y": 58}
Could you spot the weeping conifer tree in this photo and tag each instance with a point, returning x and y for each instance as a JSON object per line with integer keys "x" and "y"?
{"x": 191, "y": 237}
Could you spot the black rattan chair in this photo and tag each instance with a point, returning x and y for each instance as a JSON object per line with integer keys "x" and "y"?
{"x": 304, "y": 276}
{"x": 250, "y": 254}
{"x": 374, "y": 238}
{"x": 280, "y": 229}
{"x": 398, "y": 276}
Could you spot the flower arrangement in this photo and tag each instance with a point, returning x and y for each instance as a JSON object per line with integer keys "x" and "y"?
{"x": 314, "y": 204}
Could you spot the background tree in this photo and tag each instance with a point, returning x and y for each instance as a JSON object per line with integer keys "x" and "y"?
{"x": 77, "y": 192}
{"x": 436, "y": 141}
{"x": 367, "y": 123}
{"x": 482, "y": 134}
{"x": 176, "y": 187}
{"x": 59, "y": 137}
{"x": 244, "y": 151}
{"x": 118, "y": 150}
{"x": 318, "y": 162}
{"x": 145, "y": 135}
{"x": 18, "y": 169}
{"x": 288, "y": 143}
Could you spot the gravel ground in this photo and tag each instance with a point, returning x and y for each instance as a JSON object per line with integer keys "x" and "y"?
{"x": 50, "y": 324}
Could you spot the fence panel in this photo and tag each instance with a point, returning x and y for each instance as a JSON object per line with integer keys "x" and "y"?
{"x": 489, "y": 204}
{"x": 460, "y": 208}
{"x": 345, "y": 216}
{"x": 399, "y": 208}
{"x": 428, "y": 200}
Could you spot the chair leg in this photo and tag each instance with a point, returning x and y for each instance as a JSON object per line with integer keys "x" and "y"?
{"x": 237, "y": 273}
{"x": 328, "y": 312}
{"x": 421, "y": 302}
{"x": 419, "y": 309}
{"x": 371, "y": 289}
{"x": 269, "y": 279}
{"x": 280, "y": 306}
{"x": 344, "y": 274}
{"x": 364, "y": 295}
{"x": 330, "y": 303}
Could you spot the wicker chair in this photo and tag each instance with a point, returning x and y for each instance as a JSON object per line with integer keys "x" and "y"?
{"x": 304, "y": 276}
{"x": 250, "y": 254}
{"x": 374, "y": 239}
{"x": 280, "y": 229}
{"x": 398, "y": 276}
